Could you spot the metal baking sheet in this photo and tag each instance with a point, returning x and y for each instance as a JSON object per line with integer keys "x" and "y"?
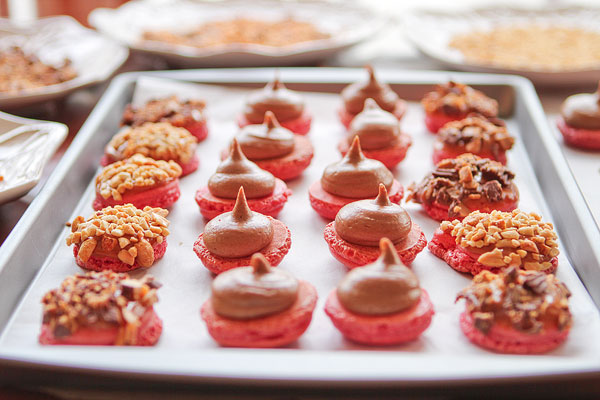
{"x": 34, "y": 258}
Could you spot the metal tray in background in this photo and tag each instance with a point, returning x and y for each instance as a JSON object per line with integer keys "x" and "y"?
{"x": 43, "y": 225}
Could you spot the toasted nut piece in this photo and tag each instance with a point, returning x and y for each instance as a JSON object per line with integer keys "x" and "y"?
{"x": 86, "y": 249}
{"x": 123, "y": 242}
{"x": 492, "y": 258}
{"x": 145, "y": 253}
{"x": 126, "y": 257}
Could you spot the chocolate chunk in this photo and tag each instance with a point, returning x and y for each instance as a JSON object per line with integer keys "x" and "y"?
{"x": 536, "y": 283}
{"x": 445, "y": 173}
{"x": 492, "y": 190}
{"x": 61, "y": 331}
{"x": 510, "y": 275}
{"x": 483, "y": 321}
{"x": 129, "y": 287}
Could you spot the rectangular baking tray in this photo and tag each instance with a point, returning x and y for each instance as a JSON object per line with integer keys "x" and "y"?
{"x": 41, "y": 231}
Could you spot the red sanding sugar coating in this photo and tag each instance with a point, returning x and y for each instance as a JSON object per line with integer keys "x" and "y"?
{"x": 95, "y": 263}
{"x": 387, "y": 329}
{"x": 354, "y": 255}
{"x": 300, "y": 125}
{"x": 506, "y": 339}
{"x": 162, "y": 196}
{"x": 271, "y": 331}
{"x": 148, "y": 333}
{"x": 434, "y": 121}
{"x": 581, "y": 138}
{"x": 211, "y": 206}
{"x": 443, "y": 245}
{"x": 274, "y": 252}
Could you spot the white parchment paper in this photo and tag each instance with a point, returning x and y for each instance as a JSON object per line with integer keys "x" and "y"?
{"x": 187, "y": 282}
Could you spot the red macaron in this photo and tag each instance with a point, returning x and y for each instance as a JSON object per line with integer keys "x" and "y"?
{"x": 579, "y": 120}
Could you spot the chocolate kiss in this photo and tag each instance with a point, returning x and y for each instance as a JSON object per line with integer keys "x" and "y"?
{"x": 371, "y": 104}
{"x": 382, "y": 198}
{"x": 241, "y": 211}
{"x": 270, "y": 121}
{"x": 388, "y": 256}
{"x": 354, "y": 154}
{"x": 259, "y": 264}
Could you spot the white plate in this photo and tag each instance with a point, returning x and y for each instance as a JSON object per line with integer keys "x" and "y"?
{"x": 94, "y": 57}
{"x": 431, "y": 32}
{"x": 25, "y": 147}
{"x": 346, "y": 23}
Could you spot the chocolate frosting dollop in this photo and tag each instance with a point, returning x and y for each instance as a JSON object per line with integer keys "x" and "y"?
{"x": 356, "y": 176}
{"x": 274, "y": 97}
{"x": 365, "y": 222}
{"x": 253, "y": 292}
{"x": 376, "y": 128}
{"x": 354, "y": 96}
{"x": 238, "y": 233}
{"x": 237, "y": 171}
{"x": 582, "y": 110}
{"x": 384, "y": 287}
{"x": 266, "y": 140}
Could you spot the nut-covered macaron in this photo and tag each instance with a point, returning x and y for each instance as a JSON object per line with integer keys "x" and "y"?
{"x": 101, "y": 308}
{"x": 231, "y": 238}
{"x": 188, "y": 114}
{"x": 287, "y": 106}
{"x": 463, "y": 184}
{"x": 496, "y": 241}
{"x": 579, "y": 120}
{"x": 380, "y": 135}
{"x": 380, "y": 303}
{"x": 354, "y": 96}
{"x": 160, "y": 141}
{"x": 353, "y": 238}
{"x": 258, "y": 306}
{"x": 516, "y": 311}
{"x": 354, "y": 177}
{"x": 138, "y": 180}
{"x": 264, "y": 193}
{"x": 120, "y": 238}
{"x": 454, "y": 101}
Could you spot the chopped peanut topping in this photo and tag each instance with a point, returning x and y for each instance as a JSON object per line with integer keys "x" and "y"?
{"x": 511, "y": 238}
{"x": 123, "y": 230}
{"x": 99, "y": 298}
{"x": 160, "y": 141}
{"x": 134, "y": 172}
{"x": 169, "y": 109}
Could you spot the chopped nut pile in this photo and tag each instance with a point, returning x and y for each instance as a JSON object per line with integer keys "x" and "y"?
{"x": 476, "y": 134}
{"x": 455, "y": 181}
{"x": 160, "y": 141}
{"x": 125, "y": 231}
{"x": 169, "y": 109}
{"x": 99, "y": 299}
{"x": 242, "y": 31}
{"x": 510, "y": 238}
{"x": 523, "y": 299}
{"x": 20, "y": 72}
{"x": 134, "y": 172}
{"x": 456, "y": 98}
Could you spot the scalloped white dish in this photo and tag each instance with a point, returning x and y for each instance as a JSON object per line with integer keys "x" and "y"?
{"x": 25, "y": 147}
{"x": 347, "y": 25}
{"x": 94, "y": 57}
{"x": 432, "y": 31}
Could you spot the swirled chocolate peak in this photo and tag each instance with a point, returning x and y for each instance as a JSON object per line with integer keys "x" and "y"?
{"x": 266, "y": 140}
{"x": 274, "y": 97}
{"x": 457, "y": 181}
{"x": 582, "y": 110}
{"x": 253, "y": 292}
{"x": 365, "y": 222}
{"x": 376, "y": 128}
{"x": 238, "y": 233}
{"x": 237, "y": 171}
{"x": 456, "y": 98}
{"x": 356, "y": 176}
{"x": 354, "y": 96}
{"x": 527, "y": 300}
{"x": 384, "y": 287}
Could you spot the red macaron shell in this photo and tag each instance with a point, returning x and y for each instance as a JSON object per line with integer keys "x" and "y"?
{"x": 346, "y": 117}
{"x": 355, "y": 255}
{"x": 274, "y": 252}
{"x": 300, "y": 125}
{"x": 327, "y": 205}
{"x": 443, "y": 245}
{"x": 506, "y": 339}
{"x": 440, "y": 212}
{"x": 186, "y": 168}
{"x": 161, "y": 196}
{"x": 148, "y": 333}
{"x": 389, "y": 156}
{"x": 211, "y": 206}
{"x": 198, "y": 129}
{"x": 387, "y": 329}
{"x": 270, "y": 331}
{"x": 441, "y": 152}
{"x": 582, "y": 138}
{"x": 434, "y": 121}
{"x": 95, "y": 263}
